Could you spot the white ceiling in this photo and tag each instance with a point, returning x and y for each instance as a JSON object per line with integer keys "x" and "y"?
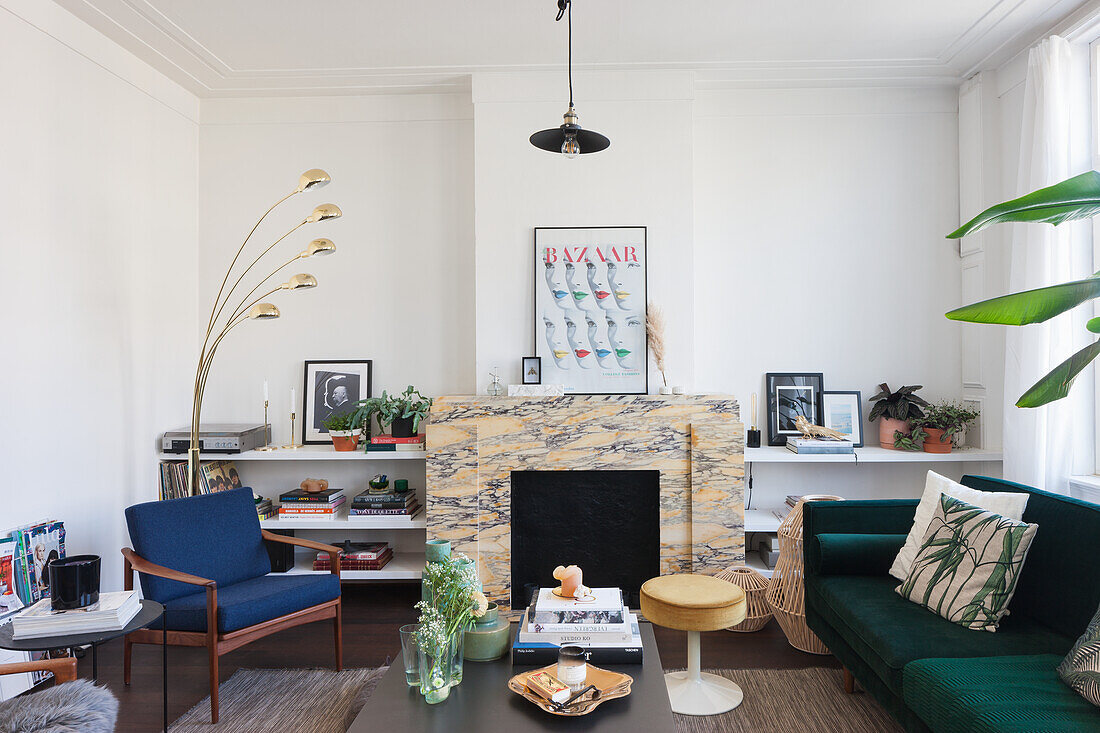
{"x": 230, "y": 47}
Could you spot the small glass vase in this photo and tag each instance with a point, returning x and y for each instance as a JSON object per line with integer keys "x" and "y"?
{"x": 436, "y": 673}
{"x": 458, "y": 646}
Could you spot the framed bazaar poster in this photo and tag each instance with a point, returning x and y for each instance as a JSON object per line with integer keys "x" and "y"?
{"x": 590, "y": 308}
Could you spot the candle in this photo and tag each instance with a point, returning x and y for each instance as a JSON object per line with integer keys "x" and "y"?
{"x": 265, "y": 390}
{"x": 293, "y": 401}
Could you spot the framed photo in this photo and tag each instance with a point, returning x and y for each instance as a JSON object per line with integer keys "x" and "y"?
{"x": 532, "y": 370}
{"x": 590, "y": 308}
{"x": 843, "y": 411}
{"x": 331, "y": 387}
{"x": 792, "y": 395}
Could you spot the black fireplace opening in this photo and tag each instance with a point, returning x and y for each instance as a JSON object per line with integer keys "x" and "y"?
{"x": 607, "y": 522}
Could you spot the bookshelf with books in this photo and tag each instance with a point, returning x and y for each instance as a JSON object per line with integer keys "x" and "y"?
{"x": 271, "y": 474}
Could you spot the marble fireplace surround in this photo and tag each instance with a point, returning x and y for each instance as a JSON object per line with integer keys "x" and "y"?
{"x": 696, "y": 441}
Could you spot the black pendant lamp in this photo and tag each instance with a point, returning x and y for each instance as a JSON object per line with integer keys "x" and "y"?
{"x": 570, "y": 139}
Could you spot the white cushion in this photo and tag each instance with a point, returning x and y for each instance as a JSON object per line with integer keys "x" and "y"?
{"x": 1009, "y": 504}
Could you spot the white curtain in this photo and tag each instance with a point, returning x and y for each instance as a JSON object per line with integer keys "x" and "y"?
{"x": 1044, "y": 446}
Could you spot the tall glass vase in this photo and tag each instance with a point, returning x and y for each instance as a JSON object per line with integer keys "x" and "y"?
{"x": 436, "y": 671}
{"x": 458, "y": 647}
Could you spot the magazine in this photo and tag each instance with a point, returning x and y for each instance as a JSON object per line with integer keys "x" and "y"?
{"x": 9, "y": 599}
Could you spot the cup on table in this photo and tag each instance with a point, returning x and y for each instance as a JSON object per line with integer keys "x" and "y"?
{"x": 410, "y": 652}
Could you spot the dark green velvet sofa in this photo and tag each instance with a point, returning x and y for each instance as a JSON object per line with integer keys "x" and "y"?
{"x": 931, "y": 674}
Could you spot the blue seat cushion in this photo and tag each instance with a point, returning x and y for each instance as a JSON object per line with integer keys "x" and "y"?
{"x": 253, "y": 601}
{"x": 216, "y": 536}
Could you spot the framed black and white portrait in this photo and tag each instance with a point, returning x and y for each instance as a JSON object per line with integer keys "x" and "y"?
{"x": 532, "y": 370}
{"x": 842, "y": 411}
{"x": 792, "y": 395}
{"x": 332, "y": 387}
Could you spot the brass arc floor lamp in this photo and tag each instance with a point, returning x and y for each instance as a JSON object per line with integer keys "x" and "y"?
{"x": 249, "y": 308}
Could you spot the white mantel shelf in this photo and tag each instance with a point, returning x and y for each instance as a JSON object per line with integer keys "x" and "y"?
{"x": 305, "y": 453}
{"x": 780, "y": 454}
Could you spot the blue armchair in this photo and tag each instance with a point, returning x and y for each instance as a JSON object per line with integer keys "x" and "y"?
{"x": 204, "y": 559}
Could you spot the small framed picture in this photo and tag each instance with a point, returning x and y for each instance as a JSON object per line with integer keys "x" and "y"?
{"x": 331, "y": 387}
{"x": 532, "y": 370}
{"x": 792, "y": 395}
{"x": 842, "y": 411}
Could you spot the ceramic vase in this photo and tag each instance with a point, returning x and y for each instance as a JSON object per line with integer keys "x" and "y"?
{"x": 489, "y": 637}
{"x": 434, "y": 551}
{"x": 887, "y": 426}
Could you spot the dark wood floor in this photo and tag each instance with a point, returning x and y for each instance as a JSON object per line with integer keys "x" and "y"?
{"x": 372, "y": 614}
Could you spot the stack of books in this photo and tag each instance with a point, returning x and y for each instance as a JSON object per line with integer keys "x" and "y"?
{"x": 388, "y": 504}
{"x": 112, "y": 613}
{"x": 373, "y": 556}
{"x": 385, "y": 443}
{"x": 265, "y": 509}
{"x": 299, "y": 504}
{"x": 819, "y": 447}
{"x": 605, "y": 627}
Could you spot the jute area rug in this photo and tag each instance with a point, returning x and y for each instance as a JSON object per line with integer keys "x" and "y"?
{"x": 324, "y": 701}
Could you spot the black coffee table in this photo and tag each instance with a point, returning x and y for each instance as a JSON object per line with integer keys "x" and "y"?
{"x": 149, "y": 613}
{"x": 483, "y": 702}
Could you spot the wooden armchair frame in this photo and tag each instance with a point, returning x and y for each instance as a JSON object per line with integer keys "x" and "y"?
{"x": 64, "y": 670}
{"x": 217, "y": 643}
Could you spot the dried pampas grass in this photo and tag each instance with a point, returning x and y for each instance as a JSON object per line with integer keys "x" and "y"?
{"x": 655, "y": 333}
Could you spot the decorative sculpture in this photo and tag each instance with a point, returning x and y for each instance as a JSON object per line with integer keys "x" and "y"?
{"x": 571, "y": 585}
{"x": 314, "y": 485}
{"x": 816, "y": 432}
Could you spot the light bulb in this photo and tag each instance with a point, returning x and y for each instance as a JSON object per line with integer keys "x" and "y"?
{"x": 570, "y": 148}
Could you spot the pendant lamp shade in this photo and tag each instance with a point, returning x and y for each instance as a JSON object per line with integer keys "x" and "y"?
{"x": 570, "y": 139}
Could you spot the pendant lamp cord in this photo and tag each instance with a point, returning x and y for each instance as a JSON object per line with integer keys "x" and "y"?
{"x": 565, "y": 7}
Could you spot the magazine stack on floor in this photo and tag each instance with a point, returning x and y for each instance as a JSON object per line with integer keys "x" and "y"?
{"x": 111, "y": 613}
{"x": 362, "y": 556}
{"x": 301, "y": 504}
{"x": 603, "y": 626}
{"x": 392, "y": 503}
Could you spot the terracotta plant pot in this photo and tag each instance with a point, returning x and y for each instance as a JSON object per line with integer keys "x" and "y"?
{"x": 345, "y": 440}
{"x": 933, "y": 444}
{"x": 887, "y": 426}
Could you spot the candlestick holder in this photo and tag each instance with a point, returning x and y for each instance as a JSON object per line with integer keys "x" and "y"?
{"x": 292, "y": 445}
{"x": 267, "y": 433}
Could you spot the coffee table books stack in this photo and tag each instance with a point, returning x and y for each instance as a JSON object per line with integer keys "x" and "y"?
{"x": 367, "y": 504}
{"x": 301, "y": 504}
{"x": 111, "y": 613}
{"x": 368, "y": 556}
{"x": 603, "y": 626}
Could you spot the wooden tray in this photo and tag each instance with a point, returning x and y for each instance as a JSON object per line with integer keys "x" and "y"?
{"x": 612, "y": 686}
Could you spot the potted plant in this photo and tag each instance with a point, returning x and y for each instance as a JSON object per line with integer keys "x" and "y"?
{"x": 940, "y": 424}
{"x": 341, "y": 428}
{"x": 896, "y": 410}
{"x": 402, "y": 413}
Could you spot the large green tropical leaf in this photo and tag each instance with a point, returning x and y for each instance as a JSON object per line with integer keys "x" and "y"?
{"x": 1056, "y": 385}
{"x": 1030, "y": 306}
{"x": 1074, "y": 198}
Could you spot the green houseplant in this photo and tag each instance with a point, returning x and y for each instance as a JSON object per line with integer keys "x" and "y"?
{"x": 895, "y": 409}
{"x": 1072, "y": 199}
{"x": 941, "y": 423}
{"x": 342, "y": 429}
{"x": 402, "y": 413}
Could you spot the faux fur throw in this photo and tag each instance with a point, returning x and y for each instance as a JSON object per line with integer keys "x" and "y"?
{"x": 74, "y": 707}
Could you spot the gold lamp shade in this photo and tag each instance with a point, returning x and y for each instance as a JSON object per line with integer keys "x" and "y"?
{"x": 324, "y": 212}
{"x": 301, "y": 281}
{"x": 311, "y": 179}
{"x": 263, "y": 311}
{"x": 319, "y": 247}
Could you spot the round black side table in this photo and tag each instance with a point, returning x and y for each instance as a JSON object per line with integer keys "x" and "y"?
{"x": 149, "y": 613}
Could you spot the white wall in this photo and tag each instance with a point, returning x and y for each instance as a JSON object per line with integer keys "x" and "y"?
{"x": 398, "y": 290}
{"x": 98, "y": 198}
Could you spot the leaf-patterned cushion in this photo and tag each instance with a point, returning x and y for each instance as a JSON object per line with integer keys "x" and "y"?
{"x": 1081, "y": 667}
{"x": 968, "y": 563}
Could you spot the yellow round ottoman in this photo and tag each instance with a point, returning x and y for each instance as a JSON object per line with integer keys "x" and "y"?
{"x": 695, "y": 603}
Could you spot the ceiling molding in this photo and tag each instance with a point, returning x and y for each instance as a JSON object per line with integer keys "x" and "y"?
{"x": 143, "y": 29}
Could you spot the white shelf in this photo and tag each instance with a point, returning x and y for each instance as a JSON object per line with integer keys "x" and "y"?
{"x": 403, "y": 566}
{"x": 305, "y": 453}
{"x": 780, "y": 454}
{"x": 753, "y": 561}
{"x": 762, "y": 520}
{"x": 342, "y": 522}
